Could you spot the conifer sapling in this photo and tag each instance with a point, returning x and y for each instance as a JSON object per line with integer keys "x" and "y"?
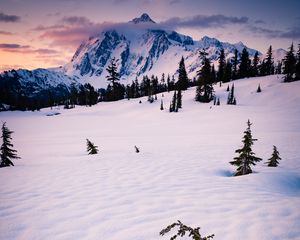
{"x": 7, "y": 153}
{"x": 246, "y": 155}
{"x": 258, "y": 89}
{"x": 274, "y": 160}
{"x": 161, "y": 105}
{"x": 91, "y": 148}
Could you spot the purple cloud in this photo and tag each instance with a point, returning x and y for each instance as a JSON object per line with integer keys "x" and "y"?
{"x": 204, "y": 21}
{"x": 9, "y": 18}
{"x": 76, "y": 20}
{"x": 5, "y": 33}
{"x": 12, "y": 46}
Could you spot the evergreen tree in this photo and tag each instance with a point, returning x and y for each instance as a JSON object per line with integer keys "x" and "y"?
{"x": 168, "y": 83}
{"x": 274, "y": 160}
{"x": 113, "y": 77}
{"x": 222, "y": 64}
{"x": 179, "y": 99}
{"x": 174, "y": 102}
{"x": 91, "y": 148}
{"x": 213, "y": 74}
{"x": 227, "y": 72}
{"x": 183, "y": 81}
{"x": 244, "y": 69}
{"x": 235, "y": 65}
{"x": 231, "y": 99}
{"x": 269, "y": 63}
{"x": 254, "y": 72}
{"x": 258, "y": 89}
{"x": 246, "y": 156}
{"x": 137, "y": 88}
{"x": 161, "y": 105}
{"x": 227, "y": 90}
{"x": 278, "y": 68}
{"x": 205, "y": 90}
{"x": 137, "y": 150}
{"x": 298, "y": 64}
{"x": 289, "y": 65}
{"x": 171, "y": 107}
{"x": 218, "y": 102}
{"x": 7, "y": 153}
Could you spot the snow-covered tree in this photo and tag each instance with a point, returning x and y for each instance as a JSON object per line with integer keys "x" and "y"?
{"x": 274, "y": 160}
{"x": 246, "y": 156}
{"x": 91, "y": 148}
{"x": 7, "y": 153}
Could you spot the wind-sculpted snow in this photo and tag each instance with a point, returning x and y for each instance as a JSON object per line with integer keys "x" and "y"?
{"x": 58, "y": 191}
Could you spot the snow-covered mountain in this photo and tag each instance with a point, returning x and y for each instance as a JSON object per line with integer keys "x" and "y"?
{"x": 143, "y": 48}
{"x": 37, "y": 84}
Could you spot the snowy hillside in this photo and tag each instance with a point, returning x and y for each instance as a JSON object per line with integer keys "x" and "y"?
{"x": 143, "y": 47}
{"x": 57, "y": 191}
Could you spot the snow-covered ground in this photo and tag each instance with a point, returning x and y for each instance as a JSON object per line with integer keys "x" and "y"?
{"x": 57, "y": 191}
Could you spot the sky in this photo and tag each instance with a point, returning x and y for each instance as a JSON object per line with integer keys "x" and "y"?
{"x": 40, "y": 33}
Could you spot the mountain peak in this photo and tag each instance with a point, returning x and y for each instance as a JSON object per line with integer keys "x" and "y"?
{"x": 144, "y": 18}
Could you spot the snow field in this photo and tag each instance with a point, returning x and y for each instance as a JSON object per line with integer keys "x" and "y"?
{"x": 57, "y": 191}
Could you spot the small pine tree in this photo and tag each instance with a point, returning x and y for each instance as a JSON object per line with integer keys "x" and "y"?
{"x": 231, "y": 99}
{"x": 218, "y": 102}
{"x": 258, "y": 89}
{"x": 7, "y": 153}
{"x": 227, "y": 90}
{"x": 274, "y": 160}
{"x": 91, "y": 148}
{"x": 137, "y": 150}
{"x": 161, "y": 105}
{"x": 183, "y": 229}
{"x": 234, "y": 101}
{"x": 246, "y": 155}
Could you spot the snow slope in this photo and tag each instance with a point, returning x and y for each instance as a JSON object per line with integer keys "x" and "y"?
{"x": 57, "y": 191}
